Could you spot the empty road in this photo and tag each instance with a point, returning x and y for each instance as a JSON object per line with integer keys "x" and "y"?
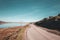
{"x": 36, "y": 33}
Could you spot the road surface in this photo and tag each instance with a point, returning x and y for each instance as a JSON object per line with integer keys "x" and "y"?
{"x": 36, "y": 33}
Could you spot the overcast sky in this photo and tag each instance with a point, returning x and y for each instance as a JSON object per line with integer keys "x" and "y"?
{"x": 28, "y": 10}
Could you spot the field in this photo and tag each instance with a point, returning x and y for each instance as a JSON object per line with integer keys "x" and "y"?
{"x": 14, "y": 33}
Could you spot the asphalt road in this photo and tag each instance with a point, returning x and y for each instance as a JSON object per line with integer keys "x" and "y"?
{"x": 36, "y": 33}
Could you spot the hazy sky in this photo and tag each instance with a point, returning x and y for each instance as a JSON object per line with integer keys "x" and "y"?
{"x": 28, "y": 10}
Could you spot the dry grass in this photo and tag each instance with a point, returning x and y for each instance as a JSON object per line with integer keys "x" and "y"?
{"x": 9, "y": 33}
{"x": 21, "y": 32}
{"x": 15, "y": 33}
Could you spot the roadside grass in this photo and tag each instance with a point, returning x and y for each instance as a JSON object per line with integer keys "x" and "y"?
{"x": 21, "y": 32}
{"x": 52, "y": 31}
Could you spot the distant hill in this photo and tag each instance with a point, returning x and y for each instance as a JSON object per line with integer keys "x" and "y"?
{"x": 2, "y": 22}
{"x": 52, "y": 22}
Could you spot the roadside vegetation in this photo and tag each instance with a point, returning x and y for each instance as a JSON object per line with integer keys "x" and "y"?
{"x": 15, "y": 33}
{"x": 52, "y": 23}
{"x": 21, "y": 32}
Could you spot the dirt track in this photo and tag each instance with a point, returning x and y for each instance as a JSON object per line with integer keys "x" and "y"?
{"x": 36, "y": 33}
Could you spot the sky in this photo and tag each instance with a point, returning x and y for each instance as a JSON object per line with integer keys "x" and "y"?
{"x": 28, "y": 10}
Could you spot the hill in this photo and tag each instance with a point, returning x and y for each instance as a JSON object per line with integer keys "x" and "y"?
{"x": 52, "y": 23}
{"x": 2, "y": 22}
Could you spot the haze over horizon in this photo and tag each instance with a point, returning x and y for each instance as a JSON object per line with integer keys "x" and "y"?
{"x": 28, "y": 10}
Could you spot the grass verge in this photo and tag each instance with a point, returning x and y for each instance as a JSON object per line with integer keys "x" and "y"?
{"x": 21, "y": 32}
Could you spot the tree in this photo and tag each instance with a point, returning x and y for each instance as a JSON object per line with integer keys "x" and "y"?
{"x": 50, "y": 17}
{"x": 59, "y": 14}
{"x": 45, "y": 19}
